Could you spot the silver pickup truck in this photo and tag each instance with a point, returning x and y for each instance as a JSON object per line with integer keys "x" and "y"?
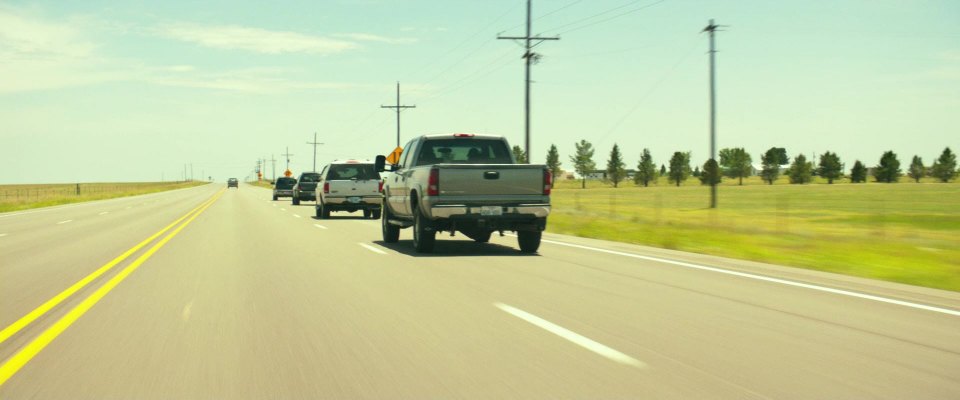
{"x": 467, "y": 183}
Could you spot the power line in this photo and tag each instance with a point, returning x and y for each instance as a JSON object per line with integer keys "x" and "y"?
{"x": 547, "y": 14}
{"x": 602, "y": 13}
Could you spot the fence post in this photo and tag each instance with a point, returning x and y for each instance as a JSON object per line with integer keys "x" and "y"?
{"x": 78, "y": 189}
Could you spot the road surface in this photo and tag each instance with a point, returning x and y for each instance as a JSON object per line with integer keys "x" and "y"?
{"x": 208, "y": 293}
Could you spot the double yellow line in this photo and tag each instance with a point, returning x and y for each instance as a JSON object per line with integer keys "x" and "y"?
{"x": 15, "y": 363}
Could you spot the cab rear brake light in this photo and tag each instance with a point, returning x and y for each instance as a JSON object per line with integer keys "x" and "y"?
{"x": 547, "y": 181}
{"x": 433, "y": 185}
{"x": 462, "y": 135}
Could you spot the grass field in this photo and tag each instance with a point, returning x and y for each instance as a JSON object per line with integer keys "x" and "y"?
{"x": 22, "y": 197}
{"x": 904, "y": 232}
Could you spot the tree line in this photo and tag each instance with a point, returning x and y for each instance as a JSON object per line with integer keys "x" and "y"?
{"x": 736, "y": 163}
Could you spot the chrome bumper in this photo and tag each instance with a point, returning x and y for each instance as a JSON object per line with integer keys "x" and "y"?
{"x": 447, "y": 211}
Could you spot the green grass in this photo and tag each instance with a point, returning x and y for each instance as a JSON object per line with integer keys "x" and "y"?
{"x": 264, "y": 184}
{"x": 904, "y": 232}
{"x": 23, "y": 197}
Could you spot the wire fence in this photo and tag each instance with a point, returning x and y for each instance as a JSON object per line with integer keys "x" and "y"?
{"x": 25, "y": 194}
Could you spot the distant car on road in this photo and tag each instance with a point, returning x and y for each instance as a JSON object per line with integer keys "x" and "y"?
{"x": 232, "y": 182}
{"x": 283, "y": 187}
{"x": 349, "y": 186}
{"x": 305, "y": 187}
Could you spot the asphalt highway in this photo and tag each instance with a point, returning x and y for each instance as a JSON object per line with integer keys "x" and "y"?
{"x": 209, "y": 293}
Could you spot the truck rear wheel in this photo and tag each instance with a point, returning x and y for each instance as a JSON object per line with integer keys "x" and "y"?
{"x": 391, "y": 233}
{"x": 296, "y": 200}
{"x": 529, "y": 241}
{"x": 424, "y": 236}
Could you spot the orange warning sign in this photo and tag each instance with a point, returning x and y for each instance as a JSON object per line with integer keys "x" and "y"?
{"x": 394, "y": 156}
{"x": 287, "y": 173}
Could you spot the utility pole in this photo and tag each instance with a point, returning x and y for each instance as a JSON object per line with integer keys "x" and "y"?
{"x": 287, "y": 155}
{"x": 273, "y": 162}
{"x": 191, "y": 172}
{"x": 314, "y": 143}
{"x": 530, "y": 57}
{"x": 399, "y": 108}
{"x": 712, "y": 28}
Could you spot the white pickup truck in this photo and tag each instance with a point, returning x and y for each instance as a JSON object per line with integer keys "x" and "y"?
{"x": 350, "y": 186}
{"x": 465, "y": 183}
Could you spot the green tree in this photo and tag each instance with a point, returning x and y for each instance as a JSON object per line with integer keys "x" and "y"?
{"x": 696, "y": 171}
{"x": 520, "y": 155}
{"x": 553, "y": 161}
{"x": 663, "y": 170}
{"x": 945, "y": 167}
{"x": 917, "y": 170}
{"x": 583, "y": 160}
{"x": 889, "y": 169}
{"x": 830, "y": 167}
{"x": 616, "y": 168}
{"x": 679, "y": 167}
{"x": 859, "y": 172}
{"x": 735, "y": 162}
{"x": 711, "y": 173}
{"x": 771, "y": 163}
{"x": 801, "y": 171}
{"x": 646, "y": 169}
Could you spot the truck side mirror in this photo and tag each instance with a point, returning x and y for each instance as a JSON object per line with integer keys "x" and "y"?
{"x": 379, "y": 163}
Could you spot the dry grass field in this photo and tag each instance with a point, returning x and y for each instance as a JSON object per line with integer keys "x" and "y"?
{"x": 22, "y": 197}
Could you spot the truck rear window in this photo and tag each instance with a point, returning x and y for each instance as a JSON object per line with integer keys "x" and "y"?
{"x": 285, "y": 183}
{"x": 310, "y": 178}
{"x": 359, "y": 172}
{"x": 464, "y": 151}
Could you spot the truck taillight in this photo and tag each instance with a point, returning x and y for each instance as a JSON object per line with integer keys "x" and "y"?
{"x": 433, "y": 185}
{"x": 326, "y": 187}
{"x": 547, "y": 181}
{"x": 380, "y": 187}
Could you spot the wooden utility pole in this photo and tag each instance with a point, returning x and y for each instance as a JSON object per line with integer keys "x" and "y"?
{"x": 399, "y": 108}
{"x": 530, "y": 58}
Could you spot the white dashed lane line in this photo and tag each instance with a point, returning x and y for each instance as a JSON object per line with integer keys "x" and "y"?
{"x": 296, "y": 216}
{"x": 3, "y": 234}
{"x": 319, "y": 226}
{"x": 371, "y": 248}
{"x": 104, "y": 213}
{"x": 283, "y": 209}
{"x": 64, "y": 222}
{"x": 572, "y": 336}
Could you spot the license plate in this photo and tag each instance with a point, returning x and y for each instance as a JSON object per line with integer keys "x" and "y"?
{"x": 353, "y": 199}
{"x": 491, "y": 210}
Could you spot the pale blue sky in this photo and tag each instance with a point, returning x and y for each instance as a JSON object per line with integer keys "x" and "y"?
{"x": 132, "y": 91}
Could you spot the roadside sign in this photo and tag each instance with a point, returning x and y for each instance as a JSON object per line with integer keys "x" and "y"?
{"x": 288, "y": 173}
{"x": 394, "y": 156}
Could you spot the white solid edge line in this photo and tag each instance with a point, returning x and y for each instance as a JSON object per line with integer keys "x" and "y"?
{"x": 571, "y": 336}
{"x": 319, "y": 226}
{"x": 767, "y": 279}
{"x": 63, "y": 222}
{"x": 371, "y": 248}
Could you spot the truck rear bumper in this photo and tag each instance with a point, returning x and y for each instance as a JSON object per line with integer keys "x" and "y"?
{"x": 444, "y": 211}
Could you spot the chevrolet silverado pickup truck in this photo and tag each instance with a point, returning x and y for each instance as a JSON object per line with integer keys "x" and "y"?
{"x": 464, "y": 183}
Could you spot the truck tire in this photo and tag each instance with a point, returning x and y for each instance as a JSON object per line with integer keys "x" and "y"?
{"x": 319, "y": 211}
{"x": 391, "y": 233}
{"x": 366, "y": 213}
{"x": 529, "y": 241}
{"x": 274, "y": 197}
{"x": 324, "y": 211}
{"x": 296, "y": 200}
{"x": 375, "y": 214}
{"x": 424, "y": 236}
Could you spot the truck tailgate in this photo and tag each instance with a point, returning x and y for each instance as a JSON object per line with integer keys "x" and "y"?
{"x": 490, "y": 179}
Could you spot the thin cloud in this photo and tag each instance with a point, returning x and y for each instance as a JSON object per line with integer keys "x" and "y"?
{"x": 254, "y": 39}
{"x": 366, "y": 37}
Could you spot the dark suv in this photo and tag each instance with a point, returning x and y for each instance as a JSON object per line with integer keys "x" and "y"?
{"x": 305, "y": 187}
{"x": 283, "y": 187}
{"x": 232, "y": 182}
